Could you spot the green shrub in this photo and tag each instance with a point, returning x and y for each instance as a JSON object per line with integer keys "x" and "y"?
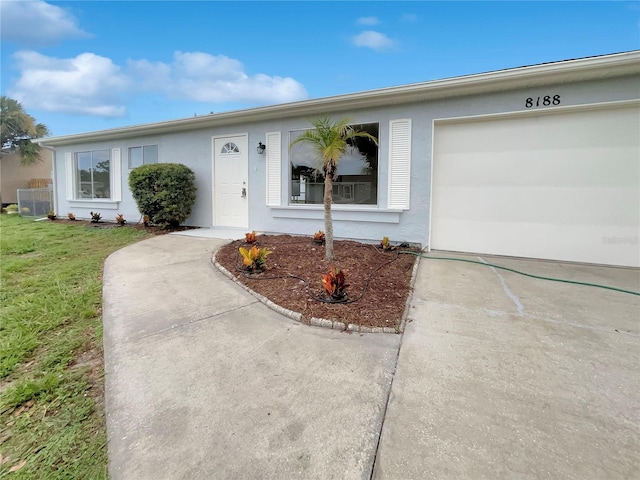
{"x": 165, "y": 192}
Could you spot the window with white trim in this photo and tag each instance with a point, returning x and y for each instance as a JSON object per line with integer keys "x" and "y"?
{"x": 143, "y": 155}
{"x": 357, "y": 180}
{"x": 92, "y": 174}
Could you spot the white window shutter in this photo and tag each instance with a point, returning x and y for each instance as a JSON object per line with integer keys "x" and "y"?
{"x": 115, "y": 171}
{"x": 274, "y": 169}
{"x": 69, "y": 174}
{"x": 399, "y": 164}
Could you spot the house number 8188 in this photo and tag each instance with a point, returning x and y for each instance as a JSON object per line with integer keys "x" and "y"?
{"x": 542, "y": 101}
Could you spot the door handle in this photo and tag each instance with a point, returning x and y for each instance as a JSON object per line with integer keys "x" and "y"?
{"x": 244, "y": 192}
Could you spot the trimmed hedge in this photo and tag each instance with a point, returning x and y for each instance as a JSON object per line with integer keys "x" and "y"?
{"x": 165, "y": 192}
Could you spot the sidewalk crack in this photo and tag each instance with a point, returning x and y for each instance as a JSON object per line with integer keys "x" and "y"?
{"x": 197, "y": 320}
{"x": 386, "y": 406}
{"x": 514, "y": 298}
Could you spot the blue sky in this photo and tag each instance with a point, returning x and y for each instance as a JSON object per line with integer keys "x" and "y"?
{"x": 83, "y": 66}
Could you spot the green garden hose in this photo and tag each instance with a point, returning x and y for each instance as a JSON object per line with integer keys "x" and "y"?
{"x": 523, "y": 273}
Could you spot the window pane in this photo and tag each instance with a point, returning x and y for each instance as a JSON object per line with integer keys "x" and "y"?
{"x": 84, "y": 186}
{"x": 230, "y": 148}
{"x": 135, "y": 157}
{"x": 307, "y": 180}
{"x": 101, "y": 181}
{"x": 357, "y": 181}
{"x": 150, "y": 154}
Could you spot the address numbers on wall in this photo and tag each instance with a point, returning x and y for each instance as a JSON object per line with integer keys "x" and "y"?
{"x": 544, "y": 101}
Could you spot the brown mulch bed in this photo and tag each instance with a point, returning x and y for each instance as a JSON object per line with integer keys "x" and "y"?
{"x": 379, "y": 282}
{"x": 152, "y": 229}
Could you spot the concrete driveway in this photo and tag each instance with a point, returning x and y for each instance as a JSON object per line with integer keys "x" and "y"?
{"x": 496, "y": 376}
{"x": 505, "y": 376}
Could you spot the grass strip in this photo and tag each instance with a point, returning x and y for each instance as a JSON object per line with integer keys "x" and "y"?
{"x": 52, "y": 423}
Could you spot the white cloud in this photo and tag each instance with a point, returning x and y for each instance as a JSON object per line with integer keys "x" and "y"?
{"x": 408, "y": 17}
{"x": 93, "y": 85}
{"x": 374, "y": 40}
{"x": 86, "y": 84}
{"x": 371, "y": 21}
{"x": 36, "y": 23}
{"x": 214, "y": 78}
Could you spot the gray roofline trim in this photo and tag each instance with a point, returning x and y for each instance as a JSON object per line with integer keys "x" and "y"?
{"x": 590, "y": 68}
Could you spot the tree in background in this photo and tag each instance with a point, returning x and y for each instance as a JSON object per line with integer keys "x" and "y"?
{"x": 330, "y": 139}
{"x": 17, "y": 128}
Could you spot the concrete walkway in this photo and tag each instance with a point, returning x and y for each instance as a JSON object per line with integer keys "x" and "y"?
{"x": 496, "y": 376}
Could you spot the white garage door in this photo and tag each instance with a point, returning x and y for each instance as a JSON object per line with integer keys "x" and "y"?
{"x": 561, "y": 185}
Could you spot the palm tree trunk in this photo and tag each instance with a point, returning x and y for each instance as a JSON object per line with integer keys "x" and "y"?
{"x": 328, "y": 223}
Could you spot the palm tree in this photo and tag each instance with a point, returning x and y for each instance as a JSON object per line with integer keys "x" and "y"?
{"x": 17, "y": 128}
{"x": 330, "y": 140}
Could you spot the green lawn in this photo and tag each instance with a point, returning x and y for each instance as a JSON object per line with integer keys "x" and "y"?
{"x": 51, "y": 370}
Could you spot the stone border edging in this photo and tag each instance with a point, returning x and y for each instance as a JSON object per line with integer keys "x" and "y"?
{"x": 407, "y": 306}
{"x": 323, "y": 322}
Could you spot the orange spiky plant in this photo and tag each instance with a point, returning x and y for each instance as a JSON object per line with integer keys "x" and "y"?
{"x": 335, "y": 284}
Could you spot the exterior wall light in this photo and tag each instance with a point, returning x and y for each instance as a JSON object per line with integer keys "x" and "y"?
{"x": 261, "y": 148}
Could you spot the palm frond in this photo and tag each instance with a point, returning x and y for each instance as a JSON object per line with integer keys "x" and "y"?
{"x": 17, "y": 128}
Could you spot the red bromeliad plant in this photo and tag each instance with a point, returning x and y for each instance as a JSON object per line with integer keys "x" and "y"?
{"x": 318, "y": 237}
{"x": 250, "y": 237}
{"x": 334, "y": 284}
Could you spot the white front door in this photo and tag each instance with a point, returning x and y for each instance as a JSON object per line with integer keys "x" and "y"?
{"x": 231, "y": 182}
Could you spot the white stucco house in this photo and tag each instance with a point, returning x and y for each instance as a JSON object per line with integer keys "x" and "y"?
{"x": 540, "y": 161}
